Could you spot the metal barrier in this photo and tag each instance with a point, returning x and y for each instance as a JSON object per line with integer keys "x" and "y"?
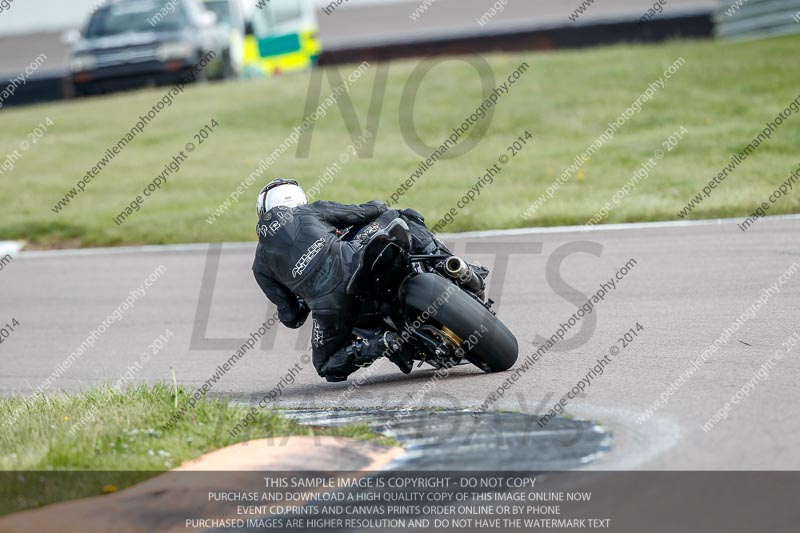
{"x": 751, "y": 19}
{"x": 696, "y": 25}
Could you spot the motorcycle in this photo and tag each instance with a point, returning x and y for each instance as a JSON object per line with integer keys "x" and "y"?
{"x": 435, "y": 302}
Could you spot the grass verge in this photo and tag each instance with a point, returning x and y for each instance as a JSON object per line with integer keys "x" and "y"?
{"x": 723, "y": 96}
{"x": 127, "y": 440}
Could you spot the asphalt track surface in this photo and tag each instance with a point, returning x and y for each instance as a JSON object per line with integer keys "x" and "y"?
{"x": 690, "y": 282}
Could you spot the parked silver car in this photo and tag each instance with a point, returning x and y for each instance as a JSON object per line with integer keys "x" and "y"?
{"x": 134, "y": 43}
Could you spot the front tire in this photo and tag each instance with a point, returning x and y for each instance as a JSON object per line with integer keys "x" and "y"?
{"x": 496, "y": 349}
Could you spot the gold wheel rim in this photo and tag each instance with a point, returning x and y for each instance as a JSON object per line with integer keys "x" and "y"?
{"x": 452, "y": 336}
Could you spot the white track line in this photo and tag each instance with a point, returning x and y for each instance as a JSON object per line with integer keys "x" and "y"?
{"x": 11, "y": 248}
{"x": 200, "y": 247}
{"x": 154, "y": 248}
{"x": 609, "y": 227}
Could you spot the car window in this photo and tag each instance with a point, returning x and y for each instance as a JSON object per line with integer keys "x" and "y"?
{"x": 221, "y": 9}
{"x": 279, "y": 15}
{"x": 151, "y": 15}
{"x": 285, "y": 10}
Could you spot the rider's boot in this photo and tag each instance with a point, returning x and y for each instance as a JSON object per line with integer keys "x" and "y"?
{"x": 364, "y": 351}
{"x": 393, "y": 345}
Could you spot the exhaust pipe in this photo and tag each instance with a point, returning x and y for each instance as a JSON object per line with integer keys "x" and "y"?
{"x": 458, "y": 269}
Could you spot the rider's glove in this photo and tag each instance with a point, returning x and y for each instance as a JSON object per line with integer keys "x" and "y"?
{"x": 379, "y": 207}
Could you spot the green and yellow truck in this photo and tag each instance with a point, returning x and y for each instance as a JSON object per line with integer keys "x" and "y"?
{"x": 282, "y": 36}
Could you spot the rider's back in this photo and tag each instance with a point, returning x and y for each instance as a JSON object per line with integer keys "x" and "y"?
{"x": 299, "y": 248}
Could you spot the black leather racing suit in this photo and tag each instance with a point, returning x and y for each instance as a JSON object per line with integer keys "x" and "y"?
{"x": 302, "y": 265}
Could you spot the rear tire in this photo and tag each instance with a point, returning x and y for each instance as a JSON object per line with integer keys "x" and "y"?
{"x": 496, "y": 349}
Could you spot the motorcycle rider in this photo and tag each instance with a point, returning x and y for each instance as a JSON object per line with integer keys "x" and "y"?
{"x": 303, "y": 266}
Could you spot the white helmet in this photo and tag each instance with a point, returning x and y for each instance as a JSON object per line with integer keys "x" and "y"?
{"x": 279, "y": 192}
